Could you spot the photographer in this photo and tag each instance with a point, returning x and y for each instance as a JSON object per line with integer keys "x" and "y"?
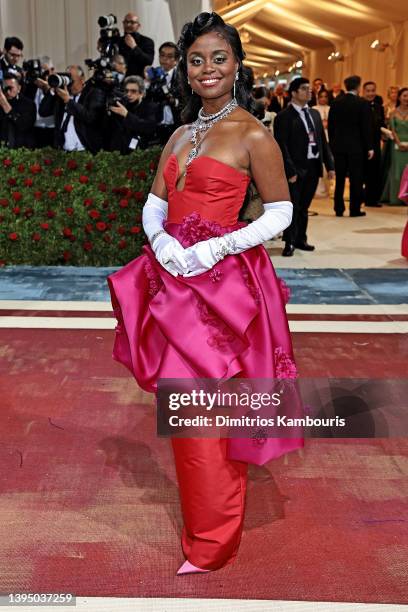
{"x": 17, "y": 116}
{"x": 37, "y": 73}
{"x": 12, "y": 54}
{"x": 138, "y": 50}
{"x": 78, "y": 109}
{"x": 119, "y": 67}
{"x": 133, "y": 123}
{"x": 161, "y": 86}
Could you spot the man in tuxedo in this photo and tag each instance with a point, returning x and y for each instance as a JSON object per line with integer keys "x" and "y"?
{"x": 17, "y": 116}
{"x": 79, "y": 113}
{"x": 299, "y": 132}
{"x": 11, "y": 56}
{"x": 279, "y": 99}
{"x": 351, "y": 140}
{"x": 372, "y": 170}
{"x": 44, "y": 127}
{"x": 335, "y": 92}
{"x": 137, "y": 49}
{"x": 165, "y": 92}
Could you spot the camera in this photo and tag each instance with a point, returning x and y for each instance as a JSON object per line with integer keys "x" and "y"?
{"x": 116, "y": 95}
{"x": 156, "y": 74}
{"x": 33, "y": 71}
{"x": 107, "y": 21}
{"x": 103, "y": 75}
{"x": 109, "y": 35}
{"x": 60, "y": 79}
{"x": 158, "y": 89}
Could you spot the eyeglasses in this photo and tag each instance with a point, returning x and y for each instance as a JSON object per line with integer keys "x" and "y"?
{"x": 131, "y": 22}
{"x": 131, "y": 91}
{"x": 167, "y": 55}
{"x": 15, "y": 54}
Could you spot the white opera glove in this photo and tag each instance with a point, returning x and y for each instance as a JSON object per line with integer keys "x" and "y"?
{"x": 168, "y": 250}
{"x": 203, "y": 255}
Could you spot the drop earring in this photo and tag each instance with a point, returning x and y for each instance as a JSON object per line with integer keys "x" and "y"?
{"x": 236, "y": 79}
{"x": 192, "y": 90}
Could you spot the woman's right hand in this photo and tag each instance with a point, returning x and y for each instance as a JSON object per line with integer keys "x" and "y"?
{"x": 170, "y": 254}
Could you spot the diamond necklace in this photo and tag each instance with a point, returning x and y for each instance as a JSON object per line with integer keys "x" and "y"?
{"x": 204, "y": 122}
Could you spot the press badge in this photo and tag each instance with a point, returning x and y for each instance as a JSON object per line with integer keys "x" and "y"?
{"x": 133, "y": 143}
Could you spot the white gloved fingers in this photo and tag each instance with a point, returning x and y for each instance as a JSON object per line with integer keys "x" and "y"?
{"x": 171, "y": 268}
{"x": 195, "y": 272}
{"x": 179, "y": 259}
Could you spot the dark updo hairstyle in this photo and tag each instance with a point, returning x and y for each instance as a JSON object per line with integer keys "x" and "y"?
{"x": 400, "y": 92}
{"x": 203, "y": 24}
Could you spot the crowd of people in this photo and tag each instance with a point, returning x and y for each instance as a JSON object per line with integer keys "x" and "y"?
{"x": 127, "y": 103}
{"x": 337, "y": 133}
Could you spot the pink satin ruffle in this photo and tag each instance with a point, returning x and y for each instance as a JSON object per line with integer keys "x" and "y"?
{"x": 229, "y": 321}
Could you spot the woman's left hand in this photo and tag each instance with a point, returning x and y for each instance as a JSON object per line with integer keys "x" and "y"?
{"x": 201, "y": 257}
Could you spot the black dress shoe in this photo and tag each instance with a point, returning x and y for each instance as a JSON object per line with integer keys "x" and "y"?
{"x": 288, "y": 250}
{"x": 339, "y": 214}
{"x": 304, "y": 246}
{"x": 360, "y": 213}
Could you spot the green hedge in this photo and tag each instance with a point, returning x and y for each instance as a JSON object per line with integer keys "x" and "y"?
{"x": 73, "y": 208}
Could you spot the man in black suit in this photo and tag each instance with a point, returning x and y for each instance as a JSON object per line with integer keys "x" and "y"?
{"x": 372, "y": 170}
{"x": 335, "y": 92}
{"x": 279, "y": 99}
{"x": 12, "y": 54}
{"x": 164, "y": 91}
{"x": 138, "y": 50}
{"x": 17, "y": 116}
{"x": 79, "y": 112}
{"x": 299, "y": 132}
{"x": 351, "y": 140}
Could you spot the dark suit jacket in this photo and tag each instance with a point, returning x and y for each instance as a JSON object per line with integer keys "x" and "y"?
{"x": 140, "y": 56}
{"x": 88, "y": 113}
{"x": 291, "y": 135}
{"x": 140, "y": 123}
{"x": 333, "y": 98}
{"x": 16, "y": 127}
{"x": 274, "y": 105}
{"x": 10, "y": 69}
{"x": 350, "y": 126}
{"x": 377, "y": 121}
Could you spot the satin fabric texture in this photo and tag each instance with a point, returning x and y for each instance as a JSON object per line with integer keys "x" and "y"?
{"x": 227, "y": 322}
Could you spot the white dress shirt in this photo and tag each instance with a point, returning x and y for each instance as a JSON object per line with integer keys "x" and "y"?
{"x": 42, "y": 122}
{"x": 168, "y": 118}
{"x": 299, "y": 109}
{"x": 72, "y": 142}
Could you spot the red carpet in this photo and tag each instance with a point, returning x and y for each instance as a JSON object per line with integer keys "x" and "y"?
{"x": 89, "y": 503}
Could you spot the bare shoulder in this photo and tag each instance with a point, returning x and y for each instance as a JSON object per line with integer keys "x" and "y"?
{"x": 179, "y": 134}
{"x": 255, "y": 135}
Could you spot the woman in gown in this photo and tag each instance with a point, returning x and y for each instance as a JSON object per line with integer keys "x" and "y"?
{"x": 203, "y": 300}
{"x": 323, "y": 109}
{"x": 399, "y": 151}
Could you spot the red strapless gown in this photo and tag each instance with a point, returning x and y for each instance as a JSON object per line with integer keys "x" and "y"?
{"x": 229, "y": 321}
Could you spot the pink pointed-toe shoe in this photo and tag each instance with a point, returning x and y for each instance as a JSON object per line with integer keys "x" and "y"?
{"x": 189, "y": 568}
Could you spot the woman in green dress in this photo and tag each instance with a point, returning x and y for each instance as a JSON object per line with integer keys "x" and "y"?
{"x": 399, "y": 153}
